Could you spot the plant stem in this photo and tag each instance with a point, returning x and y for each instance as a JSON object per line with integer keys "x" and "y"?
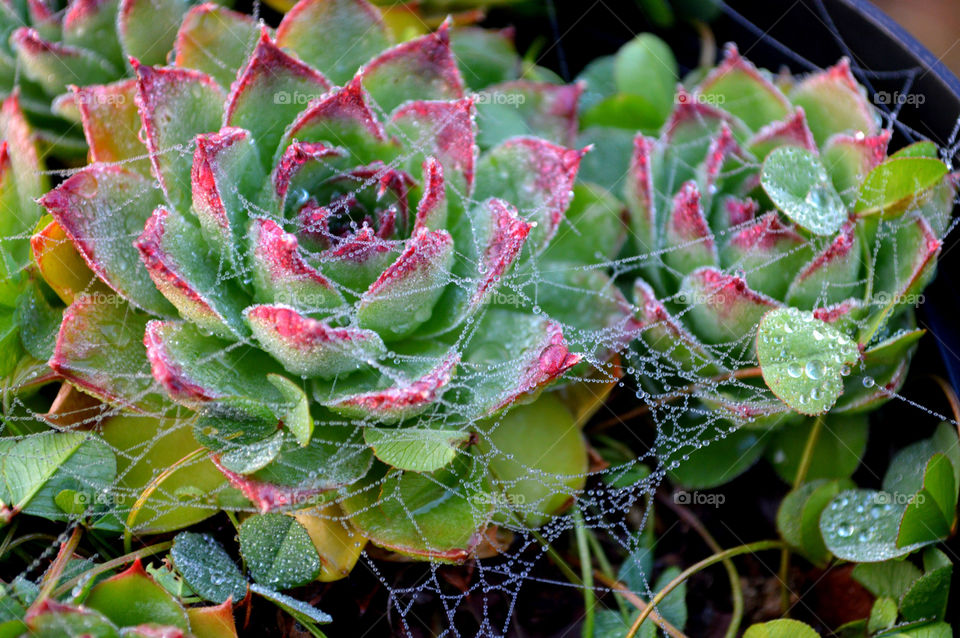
{"x": 807, "y": 457}
{"x": 638, "y": 602}
{"x": 801, "y": 476}
{"x": 572, "y": 576}
{"x": 605, "y": 568}
{"x": 112, "y": 564}
{"x": 52, "y": 574}
{"x": 148, "y": 490}
{"x": 586, "y": 573}
{"x": 736, "y": 591}
{"x": 758, "y": 546}
{"x": 557, "y": 559}
{"x": 26, "y": 538}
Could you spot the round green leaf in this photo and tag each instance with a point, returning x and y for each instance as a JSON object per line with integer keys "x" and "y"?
{"x": 415, "y": 449}
{"x": 782, "y": 628}
{"x": 799, "y": 515}
{"x": 278, "y": 551}
{"x": 798, "y": 184}
{"x": 862, "y": 526}
{"x": 803, "y": 359}
{"x": 207, "y": 567}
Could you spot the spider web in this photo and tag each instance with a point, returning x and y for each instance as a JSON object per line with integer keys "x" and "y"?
{"x": 616, "y": 504}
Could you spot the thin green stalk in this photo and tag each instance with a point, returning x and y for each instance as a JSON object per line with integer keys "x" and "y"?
{"x": 112, "y": 564}
{"x": 749, "y": 548}
{"x": 557, "y": 559}
{"x": 586, "y": 573}
{"x": 26, "y": 538}
{"x": 807, "y": 457}
{"x": 736, "y": 590}
{"x": 802, "y": 470}
{"x": 575, "y": 579}
{"x": 149, "y": 489}
{"x": 52, "y": 575}
{"x": 8, "y": 538}
{"x": 605, "y": 567}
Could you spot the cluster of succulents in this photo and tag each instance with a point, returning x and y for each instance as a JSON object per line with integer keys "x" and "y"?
{"x": 347, "y": 281}
{"x": 764, "y": 193}
{"x": 301, "y": 263}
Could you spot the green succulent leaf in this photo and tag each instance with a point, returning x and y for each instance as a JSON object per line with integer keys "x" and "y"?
{"x": 536, "y": 454}
{"x": 207, "y": 568}
{"x": 798, "y": 184}
{"x": 334, "y": 37}
{"x": 803, "y": 359}
{"x": 54, "y": 620}
{"x": 738, "y": 87}
{"x": 923, "y": 148}
{"x": 484, "y": 57}
{"x": 512, "y": 109}
{"x": 296, "y": 414}
{"x": 215, "y": 40}
{"x": 278, "y": 551}
{"x": 39, "y": 322}
{"x": 147, "y": 29}
{"x": 646, "y": 67}
{"x": 415, "y": 449}
{"x": 134, "y": 598}
{"x": 898, "y": 185}
{"x": 431, "y": 515}
{"x": 593, "y": 231}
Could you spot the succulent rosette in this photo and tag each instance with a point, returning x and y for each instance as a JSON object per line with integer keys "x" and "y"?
{"x": 317, "y": 262}
{"x": 48, "y": 46}
{"x": 774, "y": 237}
